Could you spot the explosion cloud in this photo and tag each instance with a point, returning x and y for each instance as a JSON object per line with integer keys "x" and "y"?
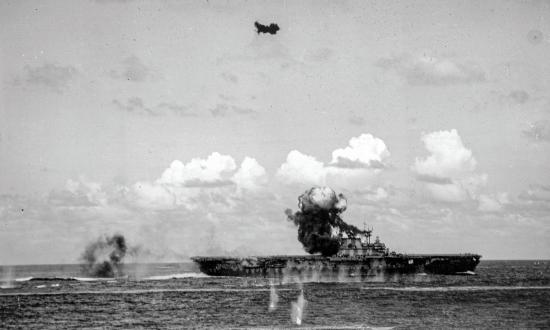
{"x": 103, "y": 258}
{"x": 319, "y": 219}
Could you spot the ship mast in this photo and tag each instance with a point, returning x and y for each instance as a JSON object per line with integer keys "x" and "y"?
{"x": 368, "y": 232}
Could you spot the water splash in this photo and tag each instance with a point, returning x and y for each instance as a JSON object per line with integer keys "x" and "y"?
{"x": 273, "y": 297}
{"x": 7, "y": 278}
{"x": 298, "y": 308}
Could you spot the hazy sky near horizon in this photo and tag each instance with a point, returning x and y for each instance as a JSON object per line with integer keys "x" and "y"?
{"x": 178, "y": 125}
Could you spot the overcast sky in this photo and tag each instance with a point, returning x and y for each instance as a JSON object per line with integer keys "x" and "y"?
{"x": 177, "y": 125}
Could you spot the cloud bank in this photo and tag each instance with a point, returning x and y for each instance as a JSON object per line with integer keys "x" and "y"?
{"x": 365, "y": 155}
{"x": 449, "y": 170}
{"x": 429, "y": 70}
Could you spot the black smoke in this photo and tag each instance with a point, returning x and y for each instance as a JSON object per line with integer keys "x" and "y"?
{"x": 319, "y": 221}
{"x": 103, "y": 258}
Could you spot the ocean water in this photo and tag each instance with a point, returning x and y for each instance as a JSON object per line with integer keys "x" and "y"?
{"x": 501, "y": 295}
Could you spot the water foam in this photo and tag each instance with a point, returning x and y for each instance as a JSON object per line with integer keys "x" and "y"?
{"x": 175, "y": 276}
{"x": 468, "y": 272}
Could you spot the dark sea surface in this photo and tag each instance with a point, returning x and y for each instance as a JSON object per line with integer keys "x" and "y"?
{"x": 502, "y": 295}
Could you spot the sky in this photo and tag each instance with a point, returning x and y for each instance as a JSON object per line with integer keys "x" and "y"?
{"x": 177, "y": 125}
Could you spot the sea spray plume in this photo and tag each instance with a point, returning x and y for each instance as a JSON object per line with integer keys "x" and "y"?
{"x": 103, "y": 258}
{"x": 298, "y": 308}
{"x": 319, "y": 219}
{"x": 273, "y": 297}
{"x": 7, "y": 278}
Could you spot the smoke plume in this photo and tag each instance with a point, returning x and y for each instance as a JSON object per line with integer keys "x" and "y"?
{"x": 103, "y": 258}
{"x": 319, "y": 221}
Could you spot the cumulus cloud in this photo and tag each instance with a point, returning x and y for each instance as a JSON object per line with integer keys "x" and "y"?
{"x": 538, "y": 131}
{"x": 301, "y": 168}
{"x": 151, "y": 195}
{"x": 428, "y": 70}
{"x": 449, "y": 170}
{"x": 214, "y": 181}
{"x": 49, "y": 75}
{"x": 251, "y": 175}
{"x": 212, "y": 170}
{"x": 448, "y": 156}
{"x": 363, "y": 151}
{"x": 364, "y": 154}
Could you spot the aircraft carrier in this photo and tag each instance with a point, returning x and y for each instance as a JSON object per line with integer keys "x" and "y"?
{"x": 357, "y": 257}
{"x": 336, "y": 250}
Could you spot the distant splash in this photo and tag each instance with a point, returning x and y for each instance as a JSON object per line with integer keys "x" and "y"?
{"x": 297, "y": 309}
{"x": 7, "y": 278}
{"x": 273, "y": 297}
{"x": 457, "y": 288}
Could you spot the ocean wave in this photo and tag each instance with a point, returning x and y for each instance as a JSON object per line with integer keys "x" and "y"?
{"x": 92, "y": 279}
{"x": 339, "y": 327}
{"x": 63, "y": 279}
{"x": 458, "y": 288}
{"x": 175, "y": 276}
{"x": 468, "y": 272}
{"x": 140, "y": 291}
{"x": 109, "y": 279}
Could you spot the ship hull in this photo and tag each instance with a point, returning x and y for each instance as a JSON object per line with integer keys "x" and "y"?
{"x": 337, "y": 267}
